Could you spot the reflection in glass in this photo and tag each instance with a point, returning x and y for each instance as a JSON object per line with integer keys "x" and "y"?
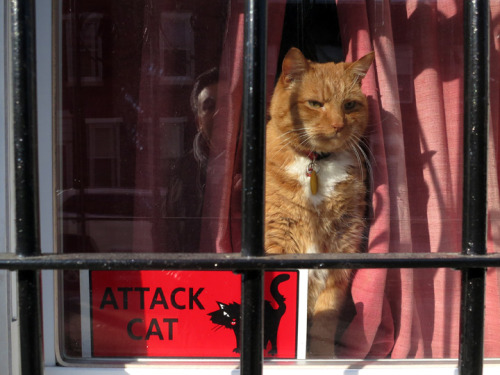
{"x": 133, "y": 153}
{"x": 149, "y": 146}
{"x": 137, "y": 99}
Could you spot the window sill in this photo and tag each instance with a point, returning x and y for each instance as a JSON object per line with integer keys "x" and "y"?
{"x": 320, "y": 367}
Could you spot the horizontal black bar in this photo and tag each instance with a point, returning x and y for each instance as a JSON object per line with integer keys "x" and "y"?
{"x": 237, "y": 262}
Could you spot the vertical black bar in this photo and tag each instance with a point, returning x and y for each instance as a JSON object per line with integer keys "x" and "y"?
{"x": 476, "y": 102}
{"x": 254, "y": 115}
{"x": 24, "y": 156}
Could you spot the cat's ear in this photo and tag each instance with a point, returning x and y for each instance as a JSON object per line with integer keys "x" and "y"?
{"x": 294, "y": 65}
{"x": 361, "y": 66}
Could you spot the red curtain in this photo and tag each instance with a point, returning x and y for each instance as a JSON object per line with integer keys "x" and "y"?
{"x": 416, "y": 95}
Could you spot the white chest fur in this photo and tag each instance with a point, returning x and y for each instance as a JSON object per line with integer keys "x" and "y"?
{"x": 330, "y": 171}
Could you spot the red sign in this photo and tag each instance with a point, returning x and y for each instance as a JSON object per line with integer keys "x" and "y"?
{"x": 186, "y": 314}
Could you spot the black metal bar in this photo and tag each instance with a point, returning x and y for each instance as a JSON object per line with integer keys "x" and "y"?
{"x": 24, "y": 161}
{"x": 476, "y": 107}
{"x": 239, "y": 263}
{"x": 254, "y": 124}
{"x": 252, "y": 242}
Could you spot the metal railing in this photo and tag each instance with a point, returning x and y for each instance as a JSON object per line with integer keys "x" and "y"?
{"x": 472, "y": 261}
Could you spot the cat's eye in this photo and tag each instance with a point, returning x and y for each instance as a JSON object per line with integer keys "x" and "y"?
{"x": 315, "y": 103}
{"x": 349, "y": 106}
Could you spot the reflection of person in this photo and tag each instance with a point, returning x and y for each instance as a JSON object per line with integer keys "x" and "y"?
{"x": 187, "y": 183}
{"x": 203, "y": 103}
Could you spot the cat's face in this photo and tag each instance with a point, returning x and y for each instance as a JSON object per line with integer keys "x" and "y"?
{"x": 227, "y": 316}
{"x": 322, "y": 106}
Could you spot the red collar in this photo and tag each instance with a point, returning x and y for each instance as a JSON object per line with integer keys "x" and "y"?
{"x": 314, "y": 156}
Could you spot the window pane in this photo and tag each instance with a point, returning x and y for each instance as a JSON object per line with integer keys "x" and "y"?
{"x": 139, "y": 94}
{"x": 140, "y": 91}
{"x": 149, "y": 156}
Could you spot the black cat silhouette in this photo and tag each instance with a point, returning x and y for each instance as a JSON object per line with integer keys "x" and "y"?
{"x": 229, "y": 315}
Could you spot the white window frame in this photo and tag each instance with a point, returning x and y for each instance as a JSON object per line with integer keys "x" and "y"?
{"x": 9, "y": 343}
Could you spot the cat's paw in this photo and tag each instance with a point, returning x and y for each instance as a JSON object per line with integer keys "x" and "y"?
{"x": 236, "y": 350}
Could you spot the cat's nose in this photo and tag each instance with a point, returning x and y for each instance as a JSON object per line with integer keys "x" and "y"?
{"x": 338, "y": 126}
{"x": 336, "y": 122}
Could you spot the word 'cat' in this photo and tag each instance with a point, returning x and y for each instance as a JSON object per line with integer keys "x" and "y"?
{"x": 315, "y": 171}
{"x": 229, "y": 315}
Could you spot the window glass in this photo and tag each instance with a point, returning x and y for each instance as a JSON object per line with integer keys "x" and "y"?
{"x": 138, "y": 97}
{"x": 149, "y": 160}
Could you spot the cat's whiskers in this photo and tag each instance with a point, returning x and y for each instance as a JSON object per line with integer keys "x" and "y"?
{"x": 301, "y": 133}
{"x": 359, "y": 151}
{"x": 285, "y": 139}
{"x": 303, "y": 136}
{"x": 306, "y": 139}
{"x": 369, "y": 131}
{"x": 355, "y": 148}
{"x": 284, "y": 144}
{"x": 361, "y": 141}
{"x": 285, "y": 134}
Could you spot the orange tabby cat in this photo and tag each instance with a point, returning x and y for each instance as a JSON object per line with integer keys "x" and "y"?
{"x": 315, "y": 190}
